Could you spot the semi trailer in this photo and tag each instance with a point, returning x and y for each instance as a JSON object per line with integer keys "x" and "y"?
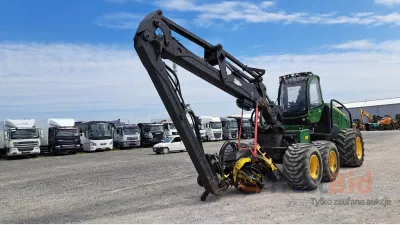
{"x": 213, "y": 127}
{"x": 247, "y": 127}
{"x": 19, "y": 137}
{"x": 127, "y": 136}
{"x": 96, "y": 135}
{"x": 59, "y": 136}
{"x": 229, "y": 128}
{"x": 151, "y": 133}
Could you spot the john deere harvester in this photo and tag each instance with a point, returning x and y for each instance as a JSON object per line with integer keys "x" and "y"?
{"x": 311, "y": 137}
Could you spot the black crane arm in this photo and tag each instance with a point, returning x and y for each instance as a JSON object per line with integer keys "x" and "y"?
{"x": 153, "y": 42}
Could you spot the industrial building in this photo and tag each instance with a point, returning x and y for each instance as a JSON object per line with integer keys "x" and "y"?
{"x": 380, "y": 107}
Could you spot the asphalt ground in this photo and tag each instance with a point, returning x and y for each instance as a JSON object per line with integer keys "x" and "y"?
{"x": 138, "y": 186}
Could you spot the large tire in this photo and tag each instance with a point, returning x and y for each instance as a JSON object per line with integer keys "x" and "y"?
{"x": 350, "y": 144}
{"x": 302, "y": 165}
{"x": 330, "y": 160}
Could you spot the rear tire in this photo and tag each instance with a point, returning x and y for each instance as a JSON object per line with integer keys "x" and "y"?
{"x": 350, "y": 144}
{"x": 330, "y": 160}
{"x": 302, "y": 166}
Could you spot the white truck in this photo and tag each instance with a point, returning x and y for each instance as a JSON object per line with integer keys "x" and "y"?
{"x": 59, "y": 136}
{"x": 19, "y": 137}
{"x": 169, "y": 127}
{"x": 212, "y": 126}
{"x": 127, "y": 136}
{"x": 96, "y": 135}
{"x": 201, "y": 127}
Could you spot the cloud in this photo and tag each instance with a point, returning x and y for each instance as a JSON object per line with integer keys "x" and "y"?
{"x": 119, "y": 20}
{"x": 388, "y": 46}
{"x": 388, "y": 2}
{"x": 209, "y": 14}
{"x": 87, "y": 81}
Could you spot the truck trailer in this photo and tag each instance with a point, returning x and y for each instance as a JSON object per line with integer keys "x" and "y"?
{"x": 19, "y": 137}
{"x": 127, "y": 136}
{"x": 59, "y": 136}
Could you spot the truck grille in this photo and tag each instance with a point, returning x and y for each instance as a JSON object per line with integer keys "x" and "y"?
{"x": 68, "y": 142}
{"x": 158, "y": 136}
{"x": 132, "y": 138}
{"x": 217, "y": 135}
{"x": 26, "y": 145}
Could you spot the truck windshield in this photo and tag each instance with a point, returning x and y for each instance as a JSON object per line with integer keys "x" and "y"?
{"x": 67, "y": 133}
{"x": 100, "y": 130}
{"x": 157, "y": 128}
{"x": 216, "y": 125}
{"x": 233, "y": 124}
{"x": 130, "y": 130}
{"x": 246, "y": 124}
{"x": 24, "y": 134}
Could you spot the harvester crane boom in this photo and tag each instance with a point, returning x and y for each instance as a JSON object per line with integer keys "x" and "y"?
{"x": 153, "y": 42}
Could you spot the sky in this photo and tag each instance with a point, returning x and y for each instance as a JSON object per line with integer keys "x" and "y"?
{"x": 75, "y": 58}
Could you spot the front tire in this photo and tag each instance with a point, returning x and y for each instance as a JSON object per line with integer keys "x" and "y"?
{"x": 302, "y": 166}
{"x": 350, "y": 144}
{"x": 330, "y": 160}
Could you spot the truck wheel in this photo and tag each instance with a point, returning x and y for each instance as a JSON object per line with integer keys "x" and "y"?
{"x": 53, "y": 152}
{"x": 4, "y": 154}
{"x": 350, "y": 144}
{"x": 302, "y": 166}
{"x": 330, "y": 160}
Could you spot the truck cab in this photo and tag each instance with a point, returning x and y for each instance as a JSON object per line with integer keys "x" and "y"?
{"x": 151, "y": 133}
{"x": 213, "y": 127}
{"x": 169, "y": 129}
{"x": 59, "y": 136}
{"x": 127, "y": 136}
{"x": 19, "y": 137}
{"x": 229, "y": 128}
{"x": 247, "y": 127}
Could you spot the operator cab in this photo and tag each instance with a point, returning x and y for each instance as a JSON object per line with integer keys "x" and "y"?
{"x": 300, "y": 98}
{"x": 299, "y": 93}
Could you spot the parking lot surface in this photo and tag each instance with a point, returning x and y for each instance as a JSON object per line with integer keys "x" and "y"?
{"x": 138, "y": 186}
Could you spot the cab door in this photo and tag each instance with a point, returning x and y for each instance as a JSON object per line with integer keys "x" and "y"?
{"x": 316, "y": 103}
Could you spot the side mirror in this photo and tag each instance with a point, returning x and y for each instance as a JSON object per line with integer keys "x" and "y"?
{"x": 41, "y": 133}
{"x": 6, "y": 136}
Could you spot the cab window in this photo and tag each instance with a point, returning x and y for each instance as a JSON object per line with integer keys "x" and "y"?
{"x": 315, "y": 93}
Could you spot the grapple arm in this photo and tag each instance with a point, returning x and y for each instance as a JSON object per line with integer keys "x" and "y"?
{"x": 153, "y": 42}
